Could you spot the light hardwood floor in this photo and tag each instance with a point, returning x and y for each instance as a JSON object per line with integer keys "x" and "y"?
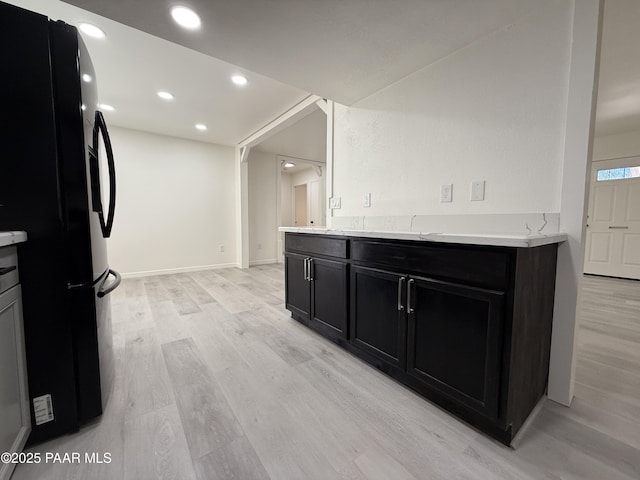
{"x": 216, "y": 381}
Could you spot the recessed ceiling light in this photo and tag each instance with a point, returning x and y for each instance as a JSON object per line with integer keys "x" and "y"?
{"x": 201, "y": 127}
{"x": 186, "y": 17}
{"x": 289, "y": 165}
{"x": 86, "y": 77}
{"x": 166, "y": 95}
{"x": 83, "y": 107}
{"x": 106, "y": 107}
{"x": 239, "y": 80}
{"x": 91, "y": 30}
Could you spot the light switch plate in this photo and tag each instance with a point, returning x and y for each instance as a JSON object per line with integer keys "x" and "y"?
{"x": 446, "y": 193}
{"x": 367, "y": 200}
{"x": 477, "y": 190}
{"x": 335, "y": 202}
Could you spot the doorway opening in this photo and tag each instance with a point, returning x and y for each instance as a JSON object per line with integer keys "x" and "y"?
{"x": 302, "y": 194}
{"x": 294, "y": 156}
{"x": 613, "y": 222}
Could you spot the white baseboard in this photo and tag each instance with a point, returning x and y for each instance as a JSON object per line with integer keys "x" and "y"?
{"x": 263, "y": 262}
{"x": 169, "y": 271}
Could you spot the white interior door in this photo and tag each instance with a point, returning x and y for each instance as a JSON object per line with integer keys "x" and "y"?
{"x": 314, "y": 203}
{"x": 613, "y": 224}
{"x": 300, "y": 205}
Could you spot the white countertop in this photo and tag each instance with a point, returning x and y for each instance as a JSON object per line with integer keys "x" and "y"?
{"x": 9, "y": 238}
{"x": 498, "y": 239}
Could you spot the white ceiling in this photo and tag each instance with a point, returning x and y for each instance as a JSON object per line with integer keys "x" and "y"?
{"x": 299, "y": 167}
{"x": 343, "y": 50}
{"x": 305, "y": 139}
{"x": 618, "y": 108}
{"x": 131, "y": 66}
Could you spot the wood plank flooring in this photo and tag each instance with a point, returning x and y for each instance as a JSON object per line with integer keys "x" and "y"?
{"x": 214, "y": 380}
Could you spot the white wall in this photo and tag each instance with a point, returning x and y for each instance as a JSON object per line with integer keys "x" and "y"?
{"x": 175, "y": 204}
{"x": 305, "y": 176}
{"x": 263, "y": 221}
{"x": 513, "y": 109}
{"x": 493, "y": 111}
{"x": 616, "y": 146}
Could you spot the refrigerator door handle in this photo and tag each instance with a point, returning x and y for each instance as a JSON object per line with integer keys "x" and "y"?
{"x": 100, "y": 127}
{"x": 112, "y": 177}
{"x": 103, "y": 292}
{"x": 96, "y": 195}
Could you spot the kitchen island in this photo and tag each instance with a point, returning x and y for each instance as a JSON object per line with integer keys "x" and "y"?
{"x": 463, "y": 319}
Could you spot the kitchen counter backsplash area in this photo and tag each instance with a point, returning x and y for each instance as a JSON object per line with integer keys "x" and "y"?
{"x": 529, "y": 230}
{"x": 508, "y": 223}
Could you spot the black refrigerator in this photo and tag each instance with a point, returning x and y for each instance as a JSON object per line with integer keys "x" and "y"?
{"x": 57, "y": 182}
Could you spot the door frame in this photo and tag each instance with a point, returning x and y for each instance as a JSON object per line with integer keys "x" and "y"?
{"x": 280, "y": 159}
{"x": 608, "y": 163}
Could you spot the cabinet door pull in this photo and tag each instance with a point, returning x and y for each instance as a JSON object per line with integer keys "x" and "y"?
{"x": 409, "y": 285}
{"x": 311, "y": 269}
{"x": 400, "y": 283}
{"x": 619, "y": 227}
{"x": 306, "y": 269}
{"x": 5, "y": 270}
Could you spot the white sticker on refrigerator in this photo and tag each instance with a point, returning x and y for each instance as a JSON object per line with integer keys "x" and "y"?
{"x": 43, "y": 409}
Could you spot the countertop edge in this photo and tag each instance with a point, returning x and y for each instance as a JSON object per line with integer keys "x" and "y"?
{"x": 500, "y": 240}
{"x": 11, "y": 238}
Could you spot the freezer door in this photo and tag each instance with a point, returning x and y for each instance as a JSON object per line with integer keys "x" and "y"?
{"x": 93, "y": 341}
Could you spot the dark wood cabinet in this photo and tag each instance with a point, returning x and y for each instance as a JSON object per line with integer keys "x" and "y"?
{"x": 316, "y": 287}
{"x": 378, "y": 323}
{"x": 446, "y": 336}
{"x": 298, "y": 293}
{"x": 328, "y": 280}
{"x": 454, "y": 341}
{"x": 467, "y": 326}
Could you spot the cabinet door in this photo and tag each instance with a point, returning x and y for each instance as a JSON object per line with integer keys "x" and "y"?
{"x": 298, "y": 291}
{"x": 15, "y": 420}
{"x": 378, "y": 320}
{"x": 454, "y": 341}
{"x": 329, "y": 297}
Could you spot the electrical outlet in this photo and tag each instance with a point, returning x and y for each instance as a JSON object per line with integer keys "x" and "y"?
{"x": 446, "y": 193}
{"x": 335, "y": 202}
{"x": 477, "y": 190}
{"x": 221, "y": 248}
{"x": 367, "y": 200}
